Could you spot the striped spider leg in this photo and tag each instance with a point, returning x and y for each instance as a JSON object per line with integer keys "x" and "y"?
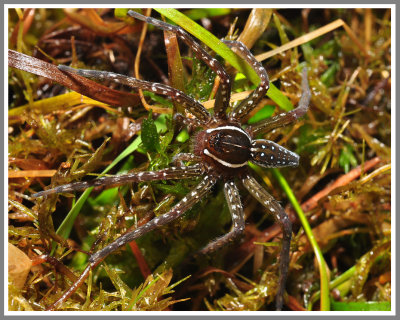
{"x": 283, "y": 119}
{"x": 180, "y": 208}
{"x": 280, "y": 217}
{"x": 222, "y": 97}
{"x": 248, "y": 104}
{"x": 193, "y": 106}
{"x": 238, "y": 224}
{"x": 163, "y": 174}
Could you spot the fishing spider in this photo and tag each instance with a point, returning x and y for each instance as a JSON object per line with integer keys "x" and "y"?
{"x": 222, "y": 150}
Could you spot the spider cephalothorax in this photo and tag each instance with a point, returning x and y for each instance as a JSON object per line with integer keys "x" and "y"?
{"x": 222, "y": 149}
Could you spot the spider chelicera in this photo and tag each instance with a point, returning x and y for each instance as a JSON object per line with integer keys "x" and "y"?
{"x": 222, "y": 149}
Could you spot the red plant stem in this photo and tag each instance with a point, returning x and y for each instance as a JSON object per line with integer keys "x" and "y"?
{"x": 341, "y": 181}
{"x": 294, "y": 305}
{"x": 144, "y": 268}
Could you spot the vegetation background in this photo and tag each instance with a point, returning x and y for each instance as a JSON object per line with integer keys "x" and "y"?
{"x": 339, "y": 198}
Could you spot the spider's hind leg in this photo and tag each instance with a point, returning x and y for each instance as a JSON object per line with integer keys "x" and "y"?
{"x": 238, "y": 224}
{"x": 280, "y": 217}
{"x": 180, "y": 208}
{"x": 248, "y": 104}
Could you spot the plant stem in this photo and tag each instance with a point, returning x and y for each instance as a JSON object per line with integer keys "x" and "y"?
{"x": 324, "y": 281}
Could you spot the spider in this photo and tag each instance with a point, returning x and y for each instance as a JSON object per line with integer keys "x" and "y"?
{"x": 222, "y": 149}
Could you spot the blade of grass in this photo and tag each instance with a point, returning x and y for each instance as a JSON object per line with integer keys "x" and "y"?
{"x": 324, "y": 281}
{"x": 143, "y": 291}
{"x": 345, "y": 276}
{"x": 60, "y": 102}
{"x": 30, "y": 173}
{"x": 199, "y": 13}
{"x": 221, "y": 49}
{"x": 71, "y": 81}
{"x": 175, "y": 66}
{"x": 67, "y": 224}
{"x": 361, "y": 306}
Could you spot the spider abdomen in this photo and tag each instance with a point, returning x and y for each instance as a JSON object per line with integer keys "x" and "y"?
{"x": 269, "y": 154}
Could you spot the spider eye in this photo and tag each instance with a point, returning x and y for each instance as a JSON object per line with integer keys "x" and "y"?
{"x": 269, "y": 154}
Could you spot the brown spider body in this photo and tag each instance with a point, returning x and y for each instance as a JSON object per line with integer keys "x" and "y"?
{"x": 228, "y": 148}
{"x": 222, "y": 149}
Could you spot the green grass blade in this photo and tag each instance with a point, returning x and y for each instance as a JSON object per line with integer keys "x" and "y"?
{"x": 361, "y": 306}
{"x": 339, "y": 282}
{"x": 325, "y": 298}
{"x": 66, "y": 226}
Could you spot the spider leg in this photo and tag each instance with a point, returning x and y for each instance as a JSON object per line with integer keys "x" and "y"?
{"x": 178, "y": 158}
{"x": 252, "y": 100}
{"x": 288, "y": 117}
{"x": 236, "y": 209}
{"x": 180, "y": 208}
{"x": 163, "y": 174}
{"x": 280, "y": 216}
{"x": 179, "y": 118}
{"x": 224, "y": 91}
{"x": 190, "y": 104}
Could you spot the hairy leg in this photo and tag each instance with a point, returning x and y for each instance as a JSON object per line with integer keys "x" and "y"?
{"x": 224, "y": 92}
{"x": 280, "y": 216}
{"x": 189, "y": 103}
{"x": 180, "y": 208}
{"x": 248, "y": 104}
{"x": 163, "y": 174}
{"x": 236, "y": 209}
{"x": 288, "y": 117}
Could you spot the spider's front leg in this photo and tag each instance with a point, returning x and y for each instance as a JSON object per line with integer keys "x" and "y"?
{"x": 224, "y": 91}
{"x": 248, "y": 104}
{"x": 189, "y": 122}
{"x": 280, "y": 216}
{"x": 180, "y": 208}
{"x": 288, "y": 117}
{"x": 190, "y": 104}
{"x": 236, "y": 209}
